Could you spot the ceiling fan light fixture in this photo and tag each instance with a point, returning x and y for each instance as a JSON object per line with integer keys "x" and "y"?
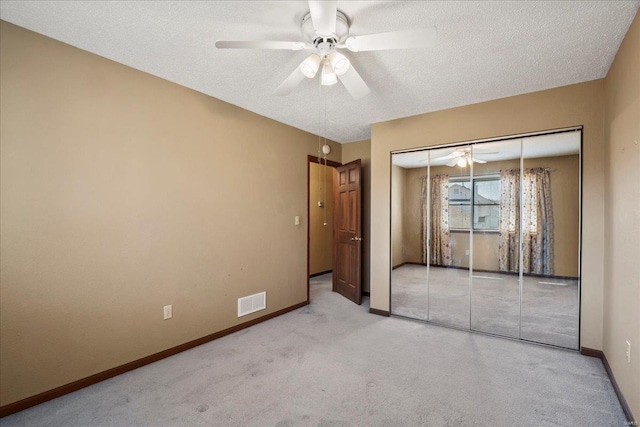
{"x": 339, "y": 63}
{"x": 309, "y": 66}
{"x": 462, "y": 162}
{"x": 328, "y": 77}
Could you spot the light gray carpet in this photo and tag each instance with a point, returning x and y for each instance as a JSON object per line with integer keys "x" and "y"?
{"x": 334, "y": 364}
{"x": 550, "y": 307}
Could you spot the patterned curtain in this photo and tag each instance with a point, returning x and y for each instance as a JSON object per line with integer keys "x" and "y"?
{"x": 537, "y": 222}
{"x": 509, "y": 220}
{"x": 424, "y": 198}
{"x": 440, "y": 246}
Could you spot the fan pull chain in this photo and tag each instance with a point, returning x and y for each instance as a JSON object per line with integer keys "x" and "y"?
{"x": 324, "y": 198}
{"x": 320, "y": 142}
{"x": 325, "y": 189}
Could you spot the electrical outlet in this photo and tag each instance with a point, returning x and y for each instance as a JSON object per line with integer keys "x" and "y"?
{"x": 628, "y": 352}
{"x": 168, "y": 312}
{"x": 296, "y": 220}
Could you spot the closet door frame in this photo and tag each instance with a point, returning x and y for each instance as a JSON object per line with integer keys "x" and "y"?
{"x": 472, "y": 144}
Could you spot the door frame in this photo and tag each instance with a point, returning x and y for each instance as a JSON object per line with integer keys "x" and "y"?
{"x": 578, "y": 128}
{"x": 331, "y": 163}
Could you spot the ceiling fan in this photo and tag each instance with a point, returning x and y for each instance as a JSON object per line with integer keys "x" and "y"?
{"x": 462, "y": 157}
{"x": 325, "y": 29}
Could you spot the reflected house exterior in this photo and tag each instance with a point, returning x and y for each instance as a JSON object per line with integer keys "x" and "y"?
{"x": 486, "y": 211}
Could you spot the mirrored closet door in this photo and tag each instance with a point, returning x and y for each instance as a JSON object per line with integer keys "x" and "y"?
{"x": 485, "y": 236}
{"x": 551, "y": 239}
{"x": 448, "y": 215}
{"x": 495, "y": 286}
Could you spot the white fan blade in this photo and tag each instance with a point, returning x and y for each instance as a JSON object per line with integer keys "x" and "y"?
{"x": 354, "y": 83}
{"x": 290, "y": 83}
{"x": 453, "y": 155}
{"x": 407, "y": 39}
{"x": 478, "y": 160}
{"x": 323, "y": 16}
{"x": 453, "y": 162}
{"x": 260, "y": 44}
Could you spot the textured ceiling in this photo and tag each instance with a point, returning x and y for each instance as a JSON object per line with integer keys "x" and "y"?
{"x": 485, "y": 50}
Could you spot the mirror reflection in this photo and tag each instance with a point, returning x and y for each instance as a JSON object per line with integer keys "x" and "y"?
{"x": 495, "y": 297}
{"x": 551, "y": 206}
{"x": 486, "y": 237}
{"x": 448, "y": 230}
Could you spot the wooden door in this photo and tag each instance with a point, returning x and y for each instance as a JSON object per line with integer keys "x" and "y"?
{"x": 347, "y": 237}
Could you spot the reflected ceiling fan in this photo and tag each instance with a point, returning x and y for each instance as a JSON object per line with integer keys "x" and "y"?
{"x": 462, "y": 157}
{"x": 325, "y": 29}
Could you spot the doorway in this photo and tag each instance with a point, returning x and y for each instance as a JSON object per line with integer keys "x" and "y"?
{"x": 320, "y": 211}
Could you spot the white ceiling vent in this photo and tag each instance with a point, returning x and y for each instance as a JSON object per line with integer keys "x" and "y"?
{"x": 252, "y": 303}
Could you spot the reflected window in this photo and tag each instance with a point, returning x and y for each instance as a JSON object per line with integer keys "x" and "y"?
{"x": 482, "y": 204}
{"x": 486, "y": 204}
{"x": 459, "y": 203}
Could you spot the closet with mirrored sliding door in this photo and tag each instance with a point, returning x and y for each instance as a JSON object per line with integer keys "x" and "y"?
{"x": 486, "y": 236}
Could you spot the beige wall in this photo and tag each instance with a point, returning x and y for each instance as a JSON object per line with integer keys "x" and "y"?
{"x": 580, "y": 104}
{"x": 350, "y": 152}
{"x": 622, "y": 201}
{"x": 121, "y": 193}
{"x": 565, "y": 200}
{"x": 412, "y": 214}
{"x": 320, "y": 235}
{"x": 398, "y": 176}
